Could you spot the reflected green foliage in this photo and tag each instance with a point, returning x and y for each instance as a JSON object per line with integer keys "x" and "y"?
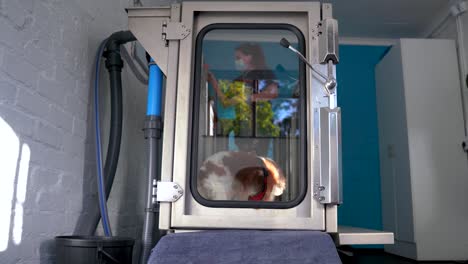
{"x": 238, "y": 96}
{"x": 265, "y": 126}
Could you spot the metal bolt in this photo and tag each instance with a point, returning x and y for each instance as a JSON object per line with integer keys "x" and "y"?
{"x": 321, "y": 198}
{"x": 175, "y": 187}
{"x": 321, "y": 188}
{"x": 180, "y": 192}
{"x": 175, "y": 196}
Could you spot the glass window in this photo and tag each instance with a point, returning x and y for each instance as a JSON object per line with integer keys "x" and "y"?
{"x": 248, "y": 142}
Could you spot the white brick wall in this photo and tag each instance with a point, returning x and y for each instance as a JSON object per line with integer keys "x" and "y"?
{"x": 47, "y": 48}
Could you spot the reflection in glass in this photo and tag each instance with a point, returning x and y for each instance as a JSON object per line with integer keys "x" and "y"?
{"x": 249, "y": 130}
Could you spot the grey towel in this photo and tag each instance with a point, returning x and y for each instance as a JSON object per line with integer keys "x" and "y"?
{"x": 245, "y": 246}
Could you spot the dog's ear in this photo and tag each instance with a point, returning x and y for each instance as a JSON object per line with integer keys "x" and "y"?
{"x": 276, "y": 182}
{"x": 274, "y": 170}
{"x": 250, "y": 176}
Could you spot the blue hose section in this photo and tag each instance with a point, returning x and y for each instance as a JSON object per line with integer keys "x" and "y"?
{"x": 155, "y": 82}
{"x": 100, "y": 171}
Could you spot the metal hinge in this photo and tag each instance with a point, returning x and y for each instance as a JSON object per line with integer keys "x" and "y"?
{"x": 168, "y": 192}
{"x": 174, "y": 31}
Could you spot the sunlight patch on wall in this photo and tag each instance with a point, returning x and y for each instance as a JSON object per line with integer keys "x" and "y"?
{"x": 21, "y": 186}
{"x": 9, "y": 152}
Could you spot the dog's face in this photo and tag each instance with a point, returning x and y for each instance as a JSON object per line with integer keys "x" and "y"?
{"x": 240, "y": 176}
{"x": 264, "y": 182}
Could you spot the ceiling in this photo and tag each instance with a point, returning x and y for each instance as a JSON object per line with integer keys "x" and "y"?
{"x": 377, "y": 18}
{"x": 386, "y": 18}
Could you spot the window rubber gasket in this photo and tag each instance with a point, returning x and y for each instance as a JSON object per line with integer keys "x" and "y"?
{"x": 194, "y": 122}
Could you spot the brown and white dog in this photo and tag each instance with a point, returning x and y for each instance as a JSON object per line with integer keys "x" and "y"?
{"x": 240, "y": 176}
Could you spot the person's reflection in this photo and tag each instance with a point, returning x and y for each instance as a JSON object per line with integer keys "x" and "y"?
{"x": 250, "y": 60}
{"x": 244, "y": 109}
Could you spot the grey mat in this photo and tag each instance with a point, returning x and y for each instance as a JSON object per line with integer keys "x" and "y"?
{"x": 245, "y": 246}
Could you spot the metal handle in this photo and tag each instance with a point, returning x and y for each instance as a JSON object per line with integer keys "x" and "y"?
{"x": 329, "y": 190}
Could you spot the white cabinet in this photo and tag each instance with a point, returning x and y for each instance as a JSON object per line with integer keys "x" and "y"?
{"x": 423, "y": 167}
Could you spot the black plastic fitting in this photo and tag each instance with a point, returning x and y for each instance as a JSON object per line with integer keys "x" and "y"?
{"x": 153, "y": 127}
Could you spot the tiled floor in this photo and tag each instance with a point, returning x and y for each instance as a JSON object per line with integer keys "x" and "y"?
{"x": 376, "y": 256}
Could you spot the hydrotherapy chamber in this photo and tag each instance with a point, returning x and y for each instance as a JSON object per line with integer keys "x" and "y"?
{"x": 251, "y": 136}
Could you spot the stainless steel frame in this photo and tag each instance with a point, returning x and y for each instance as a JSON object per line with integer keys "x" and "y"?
{"x": 175, "y": 57}
{"x": 147, "y": 25}
{"x": 187, "y": 213}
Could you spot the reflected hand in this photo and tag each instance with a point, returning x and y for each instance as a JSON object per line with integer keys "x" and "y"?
{"x": 210, "y": 77}
{"x": 253, "y": 98}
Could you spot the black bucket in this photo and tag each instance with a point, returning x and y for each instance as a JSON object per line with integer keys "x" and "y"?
{"x": 94, "y": 250}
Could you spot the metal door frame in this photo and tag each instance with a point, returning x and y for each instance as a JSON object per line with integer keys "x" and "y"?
{"x": 180, "y": 217}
